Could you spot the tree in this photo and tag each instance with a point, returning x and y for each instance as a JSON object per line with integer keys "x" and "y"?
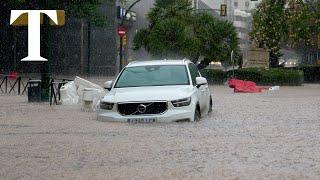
{"x": 167, "y": 35}
{"x": 217, "y": 38}
{"x": 176, "y": 30}
{"x": 269, "y": 27}
{"x": 292, "y": 22}
{"x": 298, "y": 19}
{"x": 312, "y": 23}
{"x": 167, "y": 39}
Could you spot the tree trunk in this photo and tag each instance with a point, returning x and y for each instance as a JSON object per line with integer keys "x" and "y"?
{"x": 195, "y": 59}
{"x": 274, "y": 59}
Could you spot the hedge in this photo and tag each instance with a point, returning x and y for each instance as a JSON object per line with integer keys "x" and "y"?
{"x": 214, "y": 76}
{"x": 248, "y": 74}
{"x": 282, "y": 77}
{"x": 270, "y": 77}
{"x": 311, "y": 73}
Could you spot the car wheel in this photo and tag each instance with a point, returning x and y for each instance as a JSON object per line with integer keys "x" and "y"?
{"x": 210, "y": 105}
{"x": 197, "y": 115}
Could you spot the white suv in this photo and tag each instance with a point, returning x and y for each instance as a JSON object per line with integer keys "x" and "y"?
{"x": 156, "y": 91}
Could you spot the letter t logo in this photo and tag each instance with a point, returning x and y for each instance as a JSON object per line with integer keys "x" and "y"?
{"x": 34, "y": 30}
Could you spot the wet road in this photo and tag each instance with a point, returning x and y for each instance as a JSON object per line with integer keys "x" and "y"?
{"x": 273, "y": 135}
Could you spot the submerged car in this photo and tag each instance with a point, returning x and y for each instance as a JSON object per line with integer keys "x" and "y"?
{"x": 156, "y": 91}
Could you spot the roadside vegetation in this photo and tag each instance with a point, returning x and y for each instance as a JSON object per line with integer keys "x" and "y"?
{"x": 176, "y": 30}
{"x": 291, "y": 23}
{"x": 272, "y": 77}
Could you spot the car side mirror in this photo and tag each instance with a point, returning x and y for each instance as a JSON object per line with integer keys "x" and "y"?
{"x": 201, "y": 81}
{"x": 108, "y": 85}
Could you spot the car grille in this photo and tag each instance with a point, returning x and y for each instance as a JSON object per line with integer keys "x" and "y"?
{"x": 142, "y": 108}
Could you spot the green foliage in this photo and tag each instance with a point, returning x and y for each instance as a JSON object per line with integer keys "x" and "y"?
{"x": 311, "y": 73}
{"x": 140, "y": 39}
{"x": 295, "y": 24}
{"x": 248, "y": 74}
{"x": 168, "y": 38}
{"x": 269, "y": 27}
{"x": 164, "y": 9}
{"x": 214, "y": 76}
{"x": 297, "y": 16}
{"x": 218, "y": 38}
{"x": 281, "y": 77}
{"x": 176, "y": 31}
{"x": 270, "y": 77}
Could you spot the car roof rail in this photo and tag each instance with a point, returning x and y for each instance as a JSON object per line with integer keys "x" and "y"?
{"x": 185, "y": 60}
{"x": 132, "y": 62}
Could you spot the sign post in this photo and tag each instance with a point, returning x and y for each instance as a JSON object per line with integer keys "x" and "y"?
{"x": 121, "y": 33}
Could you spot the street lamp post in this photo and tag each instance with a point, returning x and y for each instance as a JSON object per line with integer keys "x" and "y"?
{"x": 89, "y": 49}
{"x": 45, "y": 70}
{"x": 121, "y": 37}
{"x": 232, "y": 60}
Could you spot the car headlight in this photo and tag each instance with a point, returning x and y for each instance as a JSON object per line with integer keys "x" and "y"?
{"x": 181, "y": 102}
{"x": 106, "y": 105}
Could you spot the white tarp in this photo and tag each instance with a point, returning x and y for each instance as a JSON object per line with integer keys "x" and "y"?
{"x": 274, "y": 88}
{"x": 81, "y": 84}
{"x": 91, "y": 98}
{"x": 69, "y": 94}
{"x": 82, "y": 91}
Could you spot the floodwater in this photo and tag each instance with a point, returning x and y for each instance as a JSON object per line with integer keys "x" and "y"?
{"x": 272, "y": 135}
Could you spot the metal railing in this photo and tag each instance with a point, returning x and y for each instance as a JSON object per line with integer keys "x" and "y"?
{"x": 9, "y": 85}
{"x": 55, "y": 85}
{"x": 19, "y": 86}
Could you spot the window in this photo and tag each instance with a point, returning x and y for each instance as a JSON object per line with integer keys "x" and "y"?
{"x": 193, "y": 72}
{"x": 153, "y": 75}
{"x": 247, "y": 3}
{"x": 235, "y": 4}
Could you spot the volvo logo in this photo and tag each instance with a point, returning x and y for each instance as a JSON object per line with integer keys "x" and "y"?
{"x": 142, "y": 108}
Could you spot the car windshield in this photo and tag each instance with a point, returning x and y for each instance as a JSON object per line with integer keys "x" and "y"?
{"x": 158, "y": 75}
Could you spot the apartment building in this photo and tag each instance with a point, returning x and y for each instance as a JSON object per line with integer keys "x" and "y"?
{"x": 240, "y": 13}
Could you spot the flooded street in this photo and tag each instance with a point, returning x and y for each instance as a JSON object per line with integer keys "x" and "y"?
{"x": 272, "y": 135}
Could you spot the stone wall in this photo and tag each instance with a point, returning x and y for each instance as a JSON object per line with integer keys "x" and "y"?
{"x": 257, "y": 57}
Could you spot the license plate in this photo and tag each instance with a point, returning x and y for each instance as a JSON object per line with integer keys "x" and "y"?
{"x": 141, "y": 120}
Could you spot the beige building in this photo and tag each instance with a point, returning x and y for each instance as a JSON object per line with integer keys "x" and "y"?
{"x": 240, "y": 13}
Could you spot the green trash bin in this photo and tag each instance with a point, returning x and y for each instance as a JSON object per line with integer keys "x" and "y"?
{"x": 34, "y": 91}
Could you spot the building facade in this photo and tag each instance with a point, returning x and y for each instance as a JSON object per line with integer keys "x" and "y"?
{"x": 240, "y": 13}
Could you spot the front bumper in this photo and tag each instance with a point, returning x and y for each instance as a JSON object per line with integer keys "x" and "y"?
{"x": 171, "y": 115}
